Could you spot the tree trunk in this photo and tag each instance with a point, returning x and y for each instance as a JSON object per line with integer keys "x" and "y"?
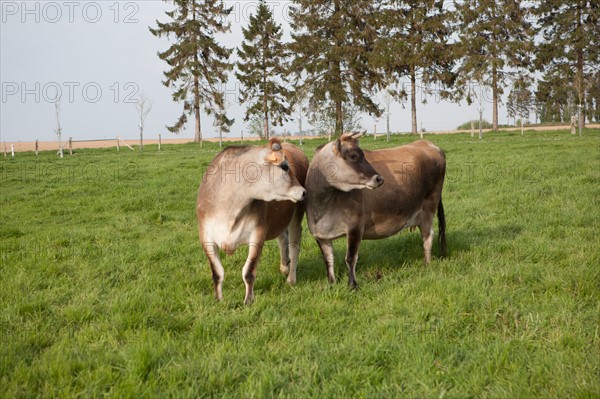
{"x": 198, "y": 131}
{"x": 387, "y": 122}
{"x": 413, "y": 98}
{"x": 579, "y": 74}
{"x": 339, "y": 118}
{"x": 265, "y": 119}
{"x": 495, "y": 96}
{"x": 339, "y": 111}
{"x": 265, "y": 94}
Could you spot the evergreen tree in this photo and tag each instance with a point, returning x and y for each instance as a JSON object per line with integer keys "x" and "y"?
{"x": 415, "y": 42}
{"x": 198, "y": 64}
{"x": 261, "y": 70}
{"x": 333, "y": 44}
{"x": 495, "y": 36}
{"x": 571, "y": 42}
{"x": 555, "y": 99}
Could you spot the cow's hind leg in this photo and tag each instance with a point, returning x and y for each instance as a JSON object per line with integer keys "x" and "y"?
{"x": 218, "y": 273}
{"x": 295, "y": 238}
{"x": 284, "y": 254}
{"x": 426, "y": 228}
{"x": 327, "y": 251}
{"x": 249, "y": 270}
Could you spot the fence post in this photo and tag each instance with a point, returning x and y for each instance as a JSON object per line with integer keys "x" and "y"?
{"x": 242, "y": 137}
{"x": 12, "y": 150}
{"x": 118, "y": 146}
{"x": 374, "y": 132}
{"x": 36, "y": 147}
{"x": 472, "y": 129}
{"x": 159, "y": 141}
{"x": 5, "y": 149}
{"x": 70, "y": 145}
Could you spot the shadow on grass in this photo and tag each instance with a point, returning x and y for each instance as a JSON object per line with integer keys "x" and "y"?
{"x": 402, "y": 251}
{"x": 400, "y": 255}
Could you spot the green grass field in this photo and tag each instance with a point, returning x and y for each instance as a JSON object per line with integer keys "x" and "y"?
{"x": 104, "y": 288}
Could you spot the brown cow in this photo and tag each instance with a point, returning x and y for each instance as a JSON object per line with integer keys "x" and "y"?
{"x": 249, "y": 195}
{"x": 337, "y": 204}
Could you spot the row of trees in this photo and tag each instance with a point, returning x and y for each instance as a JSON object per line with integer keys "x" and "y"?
{"x": 343, "y": 52}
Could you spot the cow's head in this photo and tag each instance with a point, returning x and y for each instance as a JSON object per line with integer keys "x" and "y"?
{"x": 349, "y": 169}
{"x": 275, "y": 179}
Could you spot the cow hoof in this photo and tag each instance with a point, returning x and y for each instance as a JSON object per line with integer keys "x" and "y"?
{"x": 284, "y": 269}
{"x": 353, "y": 286}
{"x": 291, "y": 281}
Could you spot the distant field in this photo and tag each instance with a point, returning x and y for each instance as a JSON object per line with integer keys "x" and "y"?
{"x": 104, "y": 289}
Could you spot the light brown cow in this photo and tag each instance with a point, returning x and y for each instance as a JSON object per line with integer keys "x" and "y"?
{"x": 338, "y": 205}
{"x": 249, "y": 195}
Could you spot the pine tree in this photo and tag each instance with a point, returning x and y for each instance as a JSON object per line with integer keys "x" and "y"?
{"x": 571, "y": 42}
{"x": 415, "y": 42}
{"x": 333, "y": 44}
{"x": 555, "y": 99}
{"x": 198, "y": 64}
{"x": 261, "y": 70}
{"x": 495, "y": 36}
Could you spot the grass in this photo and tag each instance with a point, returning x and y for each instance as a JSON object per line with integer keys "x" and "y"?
{"x": 104, "y": 289}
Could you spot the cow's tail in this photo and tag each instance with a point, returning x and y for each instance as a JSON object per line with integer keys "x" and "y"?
{"x": 442, "y": 229}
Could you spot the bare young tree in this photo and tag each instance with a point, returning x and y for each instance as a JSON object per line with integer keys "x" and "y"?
{"x": 143, "y": 108}
{"x": 223, "y": 123}
{"x": 301, "y": 108}
{"x": 58, "y": 129}
{"x": 387, "y": 99}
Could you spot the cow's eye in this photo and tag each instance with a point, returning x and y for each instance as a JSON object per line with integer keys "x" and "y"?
{"x": 354, "y": 157}
{"x": 285, "y": 167}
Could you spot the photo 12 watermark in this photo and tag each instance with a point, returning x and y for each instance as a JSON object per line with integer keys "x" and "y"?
{"x": 70, "y": 92}
{"x": 53, "y": 12}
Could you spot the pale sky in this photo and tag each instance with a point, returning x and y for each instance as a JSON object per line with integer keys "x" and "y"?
{"x": 101, "y": 55}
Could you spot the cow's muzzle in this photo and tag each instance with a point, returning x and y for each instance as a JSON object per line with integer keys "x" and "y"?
{"x": 375, "y": 182}
{"x": 298, "y": 194}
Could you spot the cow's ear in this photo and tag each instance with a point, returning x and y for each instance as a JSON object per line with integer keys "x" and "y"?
{"x": 337, "y": 147}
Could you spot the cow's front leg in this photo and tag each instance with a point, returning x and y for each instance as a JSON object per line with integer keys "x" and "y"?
{"x": 327, "y": 251}
{"x": 354, "y": 239}
{"x": 249, "y": 270}
{"x": 218, "y": 273}
{"x": 284, "y": 254}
